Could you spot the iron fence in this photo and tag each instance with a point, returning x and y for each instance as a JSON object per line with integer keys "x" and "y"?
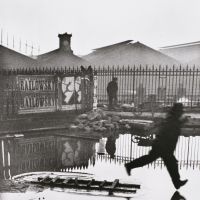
{"x": 152, "y": 86}
{"x": 45, "y": 90}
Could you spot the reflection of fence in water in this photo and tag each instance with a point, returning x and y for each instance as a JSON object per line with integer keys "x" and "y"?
{"x": 187, "y": 151}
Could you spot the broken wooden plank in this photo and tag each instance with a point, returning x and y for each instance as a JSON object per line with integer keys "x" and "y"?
{"x": 55, "y": 179}
{"x": 66, "y": 181}
{"x": 76, "y": 182}
{"x": 115, "y": 183}
{"x": 45, "y": 179}
{"x": 102, "y": 184}
{"x": 126, "y": 185}
{"x": 113, "y": 186}
{"x": 90, "y": 183}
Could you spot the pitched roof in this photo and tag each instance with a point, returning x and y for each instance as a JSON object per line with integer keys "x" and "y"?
{"x": 114, "y": 45}
{"x": 60, "y": 58}
{"x": 180, "y": 45}
{"x": 10, "y": 59}
{"x": 128, "y": 53}
{"x": 187, "y": 53}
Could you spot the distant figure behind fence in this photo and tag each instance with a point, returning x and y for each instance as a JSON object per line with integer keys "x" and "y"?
{"x": 112, "y": 89}
{"x": 164, "y": 146}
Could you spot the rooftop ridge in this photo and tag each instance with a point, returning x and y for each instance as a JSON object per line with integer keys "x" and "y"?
{"x": 113, "y": 45}
{"x": 181, "y": 45}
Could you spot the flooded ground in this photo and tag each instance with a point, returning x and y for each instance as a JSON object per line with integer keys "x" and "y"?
{"x": 98, "y": 158}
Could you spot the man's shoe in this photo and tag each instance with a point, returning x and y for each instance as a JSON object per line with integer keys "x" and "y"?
{"x": 128, "y": 170}
{"x": 181, "y": 183}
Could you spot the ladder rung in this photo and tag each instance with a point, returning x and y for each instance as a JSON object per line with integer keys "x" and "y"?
{"x": 115, "y": 183}
{"x": 90, "y": 183}
{"x": 55, "y": 179}
{"x": 76, "y": 181}
{"x": 102, "y": 184}
{"x": 113, "y": 186}
{"x": 66, "y": 181}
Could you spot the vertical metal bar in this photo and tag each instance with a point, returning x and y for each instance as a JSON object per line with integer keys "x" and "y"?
{"x": 186, "y": 77}
{"x": 172, "y": 84}
{"x": 149, "y": 80}
{"x": 177, "y": 83}
{"x": 128, "y": 99}
{"x": 131, "y": 146}
{"x": 121, "y": 86}
{"x": 134, "y": 88}
{"x": 188, "y": 92}
{"x": 152, "y": 89}
{"x": 168, "y": 74}
{"x": 192, "y": 90}
{"x": 188, "y": 151}
{"x": 195, "y": 98}
{"x": 146, "y": 86}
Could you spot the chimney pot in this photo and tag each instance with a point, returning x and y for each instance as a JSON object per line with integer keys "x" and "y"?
{"x": 65, "y": 42}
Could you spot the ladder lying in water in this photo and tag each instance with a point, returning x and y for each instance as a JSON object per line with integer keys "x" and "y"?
{"x": 92, "y": 184}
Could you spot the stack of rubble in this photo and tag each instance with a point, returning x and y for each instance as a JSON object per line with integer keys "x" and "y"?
{"x": 100, "y": 121}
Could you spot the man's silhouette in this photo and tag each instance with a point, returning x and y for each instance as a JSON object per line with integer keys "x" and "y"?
{"x": 164, "y": 146}
{"x": 111, "y": 144}
{"x": 112, "y": 89}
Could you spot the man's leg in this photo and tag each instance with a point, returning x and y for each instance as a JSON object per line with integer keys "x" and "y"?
{"x": 144, "y": 160}
{"x": 172, "y": 167}
{"x": 115, "y": 99}
{"x": 110, "y": 99}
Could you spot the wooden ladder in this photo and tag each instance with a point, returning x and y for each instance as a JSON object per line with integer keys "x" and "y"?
{"x": 92, "y": 184}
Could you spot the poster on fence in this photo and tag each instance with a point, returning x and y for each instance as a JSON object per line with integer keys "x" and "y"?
{"x": 71, "y": 93}
{"x": 37, "y": 93}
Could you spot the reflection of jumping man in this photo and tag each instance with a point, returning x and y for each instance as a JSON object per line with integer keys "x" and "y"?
{"x": 164, "y": 146}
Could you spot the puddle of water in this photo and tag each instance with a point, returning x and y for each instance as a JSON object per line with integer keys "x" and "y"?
{"x": 66, "y": 154}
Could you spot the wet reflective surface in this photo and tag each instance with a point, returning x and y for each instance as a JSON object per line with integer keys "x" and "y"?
{"x": 102, "y": 158}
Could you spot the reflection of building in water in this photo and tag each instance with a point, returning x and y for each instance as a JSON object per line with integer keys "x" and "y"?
{"x": 75, "y": 152}
{"x": 22, "y": 155}
{"x": 44, "y": 153}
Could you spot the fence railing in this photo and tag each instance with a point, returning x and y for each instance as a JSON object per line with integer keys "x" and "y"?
{"x": 147, "y": 87}
{"x": 152, "y": 86}
{"x": 45, "y": 90}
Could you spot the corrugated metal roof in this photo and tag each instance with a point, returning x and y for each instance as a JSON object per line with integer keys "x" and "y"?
{"x": 127, "y": 53}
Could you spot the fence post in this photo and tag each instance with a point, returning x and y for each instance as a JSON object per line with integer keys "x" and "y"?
{"x": 1, "y": 96}
{"x": 192, "y": 86}
{"x": 133, "y": 84}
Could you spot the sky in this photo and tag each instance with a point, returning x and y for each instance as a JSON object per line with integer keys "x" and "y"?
{"x": 97, "y": 23}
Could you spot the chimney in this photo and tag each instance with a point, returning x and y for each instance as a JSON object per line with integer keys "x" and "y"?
{"x": 65, "y": 42}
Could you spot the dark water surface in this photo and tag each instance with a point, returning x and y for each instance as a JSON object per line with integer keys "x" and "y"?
{"x": 102, "y": 159}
